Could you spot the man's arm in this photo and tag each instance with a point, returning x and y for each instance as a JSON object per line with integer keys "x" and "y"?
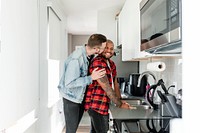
{"x": 73, "y": 78}
{"x": 104, "y": 83}
{"x": 116, "y": 88}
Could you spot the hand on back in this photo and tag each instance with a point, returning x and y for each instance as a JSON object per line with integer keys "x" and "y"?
{"x": 96, "y": 74}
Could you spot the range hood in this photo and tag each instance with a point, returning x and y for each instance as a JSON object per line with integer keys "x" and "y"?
{"x": 171, "y": 48}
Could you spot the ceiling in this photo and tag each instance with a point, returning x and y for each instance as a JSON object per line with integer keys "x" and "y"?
{"x": 82, "y": 14}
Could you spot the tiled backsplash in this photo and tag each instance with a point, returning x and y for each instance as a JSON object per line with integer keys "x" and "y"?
{"x": 172, "y": 74}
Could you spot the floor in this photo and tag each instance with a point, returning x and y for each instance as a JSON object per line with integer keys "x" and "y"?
{"x": 84, "y": 126}
{"x": 81, "y": 129}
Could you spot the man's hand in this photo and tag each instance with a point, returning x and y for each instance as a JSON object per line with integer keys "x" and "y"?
{"x": 123, "y": 101}
{"x": 125, "y": 105}
{"x": 96, "y": 74}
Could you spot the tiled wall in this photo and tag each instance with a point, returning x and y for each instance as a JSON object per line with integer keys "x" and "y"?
{"x": 172, "y": 73}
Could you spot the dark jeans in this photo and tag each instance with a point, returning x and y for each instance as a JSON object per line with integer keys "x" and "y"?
{"x": 99, "y": 122}
{"x": 73, "y": 113}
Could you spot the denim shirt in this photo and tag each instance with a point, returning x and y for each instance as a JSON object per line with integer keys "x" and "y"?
{"x": 75, "y": 77}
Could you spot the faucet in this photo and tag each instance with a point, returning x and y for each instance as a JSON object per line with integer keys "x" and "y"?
{"x": 143, "y": 74}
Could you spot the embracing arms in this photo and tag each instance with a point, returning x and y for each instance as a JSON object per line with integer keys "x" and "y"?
{"x": 104, "y": 83}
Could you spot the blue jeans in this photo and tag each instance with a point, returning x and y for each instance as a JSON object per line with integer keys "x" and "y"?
{"x": 99, "y": 122}
{"x": 73, "y": 113}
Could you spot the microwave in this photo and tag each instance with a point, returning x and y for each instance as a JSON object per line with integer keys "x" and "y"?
{"x": 161, "y": 28}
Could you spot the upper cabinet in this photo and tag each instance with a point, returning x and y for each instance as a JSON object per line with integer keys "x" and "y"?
{"x": 129, "y": 35}
{"x": 129, "y": 30}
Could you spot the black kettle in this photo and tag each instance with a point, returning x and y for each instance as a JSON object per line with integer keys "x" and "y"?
{"x": 151, "y": 92}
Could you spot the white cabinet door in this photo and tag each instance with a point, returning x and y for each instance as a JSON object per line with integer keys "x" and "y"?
{"x": 129, "y": 30}
{"x": 129, "y": 27}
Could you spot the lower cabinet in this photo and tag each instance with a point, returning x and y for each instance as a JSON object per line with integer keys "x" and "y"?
{"x": 130, "y": 127}
{"x": 141, "y": 126}
{"x": 126, "y": 126}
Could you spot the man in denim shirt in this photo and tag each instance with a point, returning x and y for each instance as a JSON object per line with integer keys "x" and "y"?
{"x": 75, "y": 79}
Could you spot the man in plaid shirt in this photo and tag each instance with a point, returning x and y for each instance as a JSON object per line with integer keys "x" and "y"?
{"x": 102, "y": 91}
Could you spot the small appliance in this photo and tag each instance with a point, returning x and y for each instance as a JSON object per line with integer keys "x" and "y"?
{"x": 168, "y": 106}
{"x": 138, "y": 83}
{"x": 133, "y": 88}
{"x": 161, "y": 27}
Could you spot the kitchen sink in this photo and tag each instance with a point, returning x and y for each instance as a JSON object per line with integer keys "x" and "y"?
{"x": 135, "y": 101}
{"x": 138, "y": 103}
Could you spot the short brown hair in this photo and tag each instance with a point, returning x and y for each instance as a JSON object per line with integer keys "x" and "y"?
{"x": 96, "y": 40}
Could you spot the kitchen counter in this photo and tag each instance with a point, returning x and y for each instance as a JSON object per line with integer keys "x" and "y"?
{"x": 139, "y": 113}
{"x": 125, "y": 117}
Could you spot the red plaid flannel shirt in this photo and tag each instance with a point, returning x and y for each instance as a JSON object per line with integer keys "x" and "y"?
{"x": 96, "y": 97}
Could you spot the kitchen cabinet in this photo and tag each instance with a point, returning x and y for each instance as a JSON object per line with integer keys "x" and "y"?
{"x": 128, "y": 28}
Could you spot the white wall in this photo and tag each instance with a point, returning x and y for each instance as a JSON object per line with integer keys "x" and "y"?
{"x": 79, "y": 40}
{"x": 51, "y": 117}
{"x": 106, "y": 23}
{"x": 19, "y": 61}
{"x": 25, "y": 68}
{"x": 191, "y": 69}
{"x": 172, "y": 73}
